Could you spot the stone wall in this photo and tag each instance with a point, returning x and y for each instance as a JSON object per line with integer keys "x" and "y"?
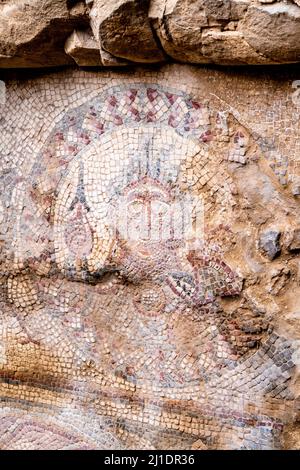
{"x": 43, "y": 33}
{"x": 149, "y": 268}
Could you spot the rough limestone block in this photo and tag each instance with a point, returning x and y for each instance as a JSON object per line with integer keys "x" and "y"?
{"x": 83, "y": 48}
{"x": 123, "y": 29}
{"x": 269, "y": 243}
{"x": 228, "y": 32}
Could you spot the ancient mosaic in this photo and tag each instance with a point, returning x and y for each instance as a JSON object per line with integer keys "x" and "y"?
{"x": 128, "y": 316}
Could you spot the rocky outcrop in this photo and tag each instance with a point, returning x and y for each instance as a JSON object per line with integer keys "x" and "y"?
{"x": 41, "y": 33}
{"x": 204, "y": 31}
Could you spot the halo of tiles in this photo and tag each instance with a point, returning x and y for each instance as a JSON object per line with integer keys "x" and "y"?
{"x": 138, "y": 310}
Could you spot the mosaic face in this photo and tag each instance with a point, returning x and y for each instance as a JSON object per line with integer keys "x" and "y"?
{"x": 123, "y": 277}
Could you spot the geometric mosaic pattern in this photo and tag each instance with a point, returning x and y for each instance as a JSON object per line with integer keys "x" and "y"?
{"x": 115, "y": 288}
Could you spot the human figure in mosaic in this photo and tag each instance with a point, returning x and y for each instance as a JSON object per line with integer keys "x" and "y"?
{"x": 126, "y": 299}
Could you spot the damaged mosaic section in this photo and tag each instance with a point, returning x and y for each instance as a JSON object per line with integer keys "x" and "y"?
{"x": 136, "y": 311}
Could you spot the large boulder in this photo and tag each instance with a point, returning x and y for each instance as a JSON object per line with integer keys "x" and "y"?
{"x": 230, "y": 48}
{"x": 33, "y": 32}
{"x": 201, "y": 31}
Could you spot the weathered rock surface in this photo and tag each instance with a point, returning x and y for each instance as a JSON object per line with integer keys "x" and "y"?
{"x": 296, "y": 189}
{"x": 273, "y": 31}
{"x": 123, "y": 29}
{"x": 106, "y": 320}
{"x": 269, "y": 243}
{"x": 83, "y": 47}
{"x": 294, "y": 244}
{"x": 33, "y": 33}
{"x": 231, "y": 32}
